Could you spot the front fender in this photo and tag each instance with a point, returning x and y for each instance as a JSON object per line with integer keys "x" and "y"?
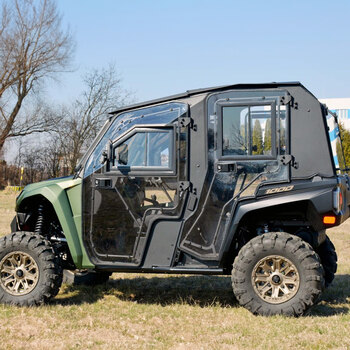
{"x": 68, "y": 215}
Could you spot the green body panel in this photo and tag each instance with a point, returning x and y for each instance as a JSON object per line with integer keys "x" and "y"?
{"x": 65, "y": 196}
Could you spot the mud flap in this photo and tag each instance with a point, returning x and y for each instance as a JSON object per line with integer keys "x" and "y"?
{"x": 14, "y": 226}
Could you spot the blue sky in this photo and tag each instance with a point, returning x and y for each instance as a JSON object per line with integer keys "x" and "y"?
{"x": 166, "y": 47}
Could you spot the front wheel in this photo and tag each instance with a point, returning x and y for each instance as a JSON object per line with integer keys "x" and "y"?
{"x": 277, "y": 274}
{"x": 30, "y": 273}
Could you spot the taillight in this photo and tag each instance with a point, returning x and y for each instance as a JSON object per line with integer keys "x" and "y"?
{"x": 337, "y": 200}
{"x": 329, "y": 219}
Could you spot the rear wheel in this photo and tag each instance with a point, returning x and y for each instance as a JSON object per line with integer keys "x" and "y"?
{"x": 329, "y": 259}
{"x": 30, "y": 273}
{"x": 277, "y": 273}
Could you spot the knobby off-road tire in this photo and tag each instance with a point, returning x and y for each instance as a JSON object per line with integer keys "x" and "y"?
{"x": 30, "y": 273}
{"x": 329, "y": 259}
{"x": 85, "y": 277}
{"x": 277, "y": 273}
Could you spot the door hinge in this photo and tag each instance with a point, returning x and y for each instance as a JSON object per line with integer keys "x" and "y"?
{"x": 287, "y": 98}
{"x": 289, "y": 159}
{"x": 185, "y": 185}
{"x": 177, "y": 256}
{"x": 186, "y": 121}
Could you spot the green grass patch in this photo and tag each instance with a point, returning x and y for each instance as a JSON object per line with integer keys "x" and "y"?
{"x": 148, "y": 311}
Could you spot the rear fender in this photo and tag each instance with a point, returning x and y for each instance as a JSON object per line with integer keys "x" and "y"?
{"x": 320, "y": 199}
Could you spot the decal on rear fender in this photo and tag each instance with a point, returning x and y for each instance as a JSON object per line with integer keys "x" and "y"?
{"x": 279, "y": 189}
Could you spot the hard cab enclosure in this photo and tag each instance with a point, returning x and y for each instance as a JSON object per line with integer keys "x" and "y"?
{"x": 183, "y": 183}
{"x": 183, "y": 176}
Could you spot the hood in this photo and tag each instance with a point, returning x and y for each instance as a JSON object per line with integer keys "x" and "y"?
{"x": 64, "y": 182}
{"x": 50, "y": 189}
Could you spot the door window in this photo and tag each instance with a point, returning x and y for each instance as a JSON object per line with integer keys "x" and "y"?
{"x": 132, "y": 151}
{"x": 146, "y": 149}
{"x": 247, "y": 130}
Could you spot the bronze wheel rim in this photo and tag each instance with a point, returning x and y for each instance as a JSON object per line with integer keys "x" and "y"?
{"x": 275, "y": 279}
{"x": 19, "y": 273}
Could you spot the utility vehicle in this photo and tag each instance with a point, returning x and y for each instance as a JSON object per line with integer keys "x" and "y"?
{"x": 241, "y": 179}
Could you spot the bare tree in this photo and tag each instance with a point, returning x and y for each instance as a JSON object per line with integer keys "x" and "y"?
{"x": 103, "y": 93}
{"x": 50, "y": 157}
{"x": 39, "y": 117}
{"x": 40, "y": 162}
{"x": 33, "y": 47}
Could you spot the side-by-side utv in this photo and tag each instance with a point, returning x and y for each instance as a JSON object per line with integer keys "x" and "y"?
{"x": 241, "y": 179}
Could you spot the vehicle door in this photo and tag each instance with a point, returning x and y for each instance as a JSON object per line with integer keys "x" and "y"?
{"x": 247, "y": 140}
{"x": 144, "y": 162}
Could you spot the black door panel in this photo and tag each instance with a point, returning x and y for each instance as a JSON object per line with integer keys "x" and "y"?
{"x": 137, "y": 186}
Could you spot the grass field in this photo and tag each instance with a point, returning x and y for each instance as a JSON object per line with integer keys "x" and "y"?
{"x": 173, "y": 312}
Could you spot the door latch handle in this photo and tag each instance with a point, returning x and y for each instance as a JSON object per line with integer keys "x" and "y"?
{"x": 227, "y": 167}
{"x": 103, "y": 183}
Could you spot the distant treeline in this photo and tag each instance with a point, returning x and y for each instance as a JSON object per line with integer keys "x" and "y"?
{"x": 13, "y": 175}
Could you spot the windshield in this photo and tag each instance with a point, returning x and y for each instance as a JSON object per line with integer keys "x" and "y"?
{"x": 93, "y": 144}
{"x": 336, "y": 144}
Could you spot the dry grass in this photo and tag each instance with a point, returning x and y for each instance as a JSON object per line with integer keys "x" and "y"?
{"x": 7, "y": 210}
{"x": 173, "y": 312}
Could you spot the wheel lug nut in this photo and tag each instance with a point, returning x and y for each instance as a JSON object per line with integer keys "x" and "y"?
{"x": 19, "y": 273}
{"x": 276, "y": 279}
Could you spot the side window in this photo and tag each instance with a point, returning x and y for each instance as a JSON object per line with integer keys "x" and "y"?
{"x": 247, "y": 130}
{"x": 146, "y": 149}
{"x": 159, "y": 149}
{"x": 132, "y": 151}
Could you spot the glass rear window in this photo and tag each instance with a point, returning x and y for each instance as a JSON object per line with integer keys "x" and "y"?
{"x": 336, "y": 144}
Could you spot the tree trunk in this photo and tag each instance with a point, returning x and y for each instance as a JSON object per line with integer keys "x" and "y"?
{"x": 6, "y": 131}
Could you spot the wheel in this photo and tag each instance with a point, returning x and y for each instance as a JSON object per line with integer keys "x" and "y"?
{"x": 30, "y": 273}
{"x": 277, "y": 274}
{"x": 329, "y": 259}
{"x": 86, "y": 277}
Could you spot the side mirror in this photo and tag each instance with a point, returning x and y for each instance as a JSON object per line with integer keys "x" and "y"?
{"x": 104, "y": 157}
{"x": 106, "y": 154}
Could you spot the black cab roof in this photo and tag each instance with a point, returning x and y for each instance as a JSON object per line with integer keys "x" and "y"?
{"x": 193, "y": 92}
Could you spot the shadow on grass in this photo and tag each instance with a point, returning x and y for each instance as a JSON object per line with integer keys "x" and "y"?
{"x": 201, "y": 291}
{"x": 335, "y": 299}
{"x": 188, "y": 290}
